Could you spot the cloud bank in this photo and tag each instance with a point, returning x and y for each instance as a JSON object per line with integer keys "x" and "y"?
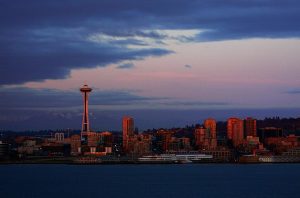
{"x": 46, "y": 40}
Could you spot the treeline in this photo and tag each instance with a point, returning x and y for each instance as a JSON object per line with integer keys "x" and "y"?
{"x": 289, "y": 126}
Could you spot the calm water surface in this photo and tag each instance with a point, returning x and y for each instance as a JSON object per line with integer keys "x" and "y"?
{"x": 187, "y": 180}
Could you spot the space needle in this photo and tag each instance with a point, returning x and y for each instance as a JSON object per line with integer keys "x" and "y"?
{"x": 85, "y": 90}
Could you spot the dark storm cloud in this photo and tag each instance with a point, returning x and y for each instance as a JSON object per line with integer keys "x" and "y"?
{"x": 48, "y": 108}
{"x": 143, "y": 119}
{"x": 196, "y": 103}
{"x": 38, "y": 57}
{"x": 188, "y": 66}
{"x": 26, "y": 98}
{"x": 293, "y": 91}
{"x": 41, "y": 99}
{"x": 126, "y": 66}
{"x": 46, "y": 39}
{"x": 131, "y": 32}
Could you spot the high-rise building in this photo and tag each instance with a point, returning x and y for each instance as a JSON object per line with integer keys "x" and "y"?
{"x": 199, "y": 137}
{"x": 250, "y": 127}
{"x": 164, "y": 139}
{"x": 211, "y": 126}
{"x": 235, "y": 131}
{"x": 211, "y": 129}
{"x": 128, "y": 131}
{"x": 206, "y": 137}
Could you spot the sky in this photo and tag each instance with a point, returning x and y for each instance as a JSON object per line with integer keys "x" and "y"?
{"x": 167, "y": 63}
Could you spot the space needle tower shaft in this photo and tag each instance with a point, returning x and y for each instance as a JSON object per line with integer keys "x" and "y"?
{"x": 85, "y": 90}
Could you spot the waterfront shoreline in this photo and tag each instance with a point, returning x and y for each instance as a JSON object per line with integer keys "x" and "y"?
{"x": 66, "y": 162}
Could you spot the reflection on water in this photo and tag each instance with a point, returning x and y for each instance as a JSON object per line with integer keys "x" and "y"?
{"x": 189, "y": 180}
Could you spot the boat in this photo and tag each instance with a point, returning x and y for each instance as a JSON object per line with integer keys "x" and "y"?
{"x": 175, "y": 158}
{"x": 279, "y": 159}
{"x": 193, "y": 158}
{"x": 164, "y": 158}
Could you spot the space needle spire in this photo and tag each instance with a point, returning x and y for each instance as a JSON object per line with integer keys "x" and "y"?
{"x": 85, "y": 90}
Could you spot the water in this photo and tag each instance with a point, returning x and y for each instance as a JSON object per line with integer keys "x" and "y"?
{"x": 187, "y": 180}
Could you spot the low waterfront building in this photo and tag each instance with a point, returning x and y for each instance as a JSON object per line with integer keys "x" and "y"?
{"x": 56, "y": 149}
{"x": 29, "y": 146}
{"x": 220, "y": 155}
{"x": 139, "y": 145}
{"x": 4, "y": 150}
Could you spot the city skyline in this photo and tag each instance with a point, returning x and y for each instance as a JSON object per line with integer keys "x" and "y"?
{"x": 149, "y": 98}
{"x": 165, "y": 63}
